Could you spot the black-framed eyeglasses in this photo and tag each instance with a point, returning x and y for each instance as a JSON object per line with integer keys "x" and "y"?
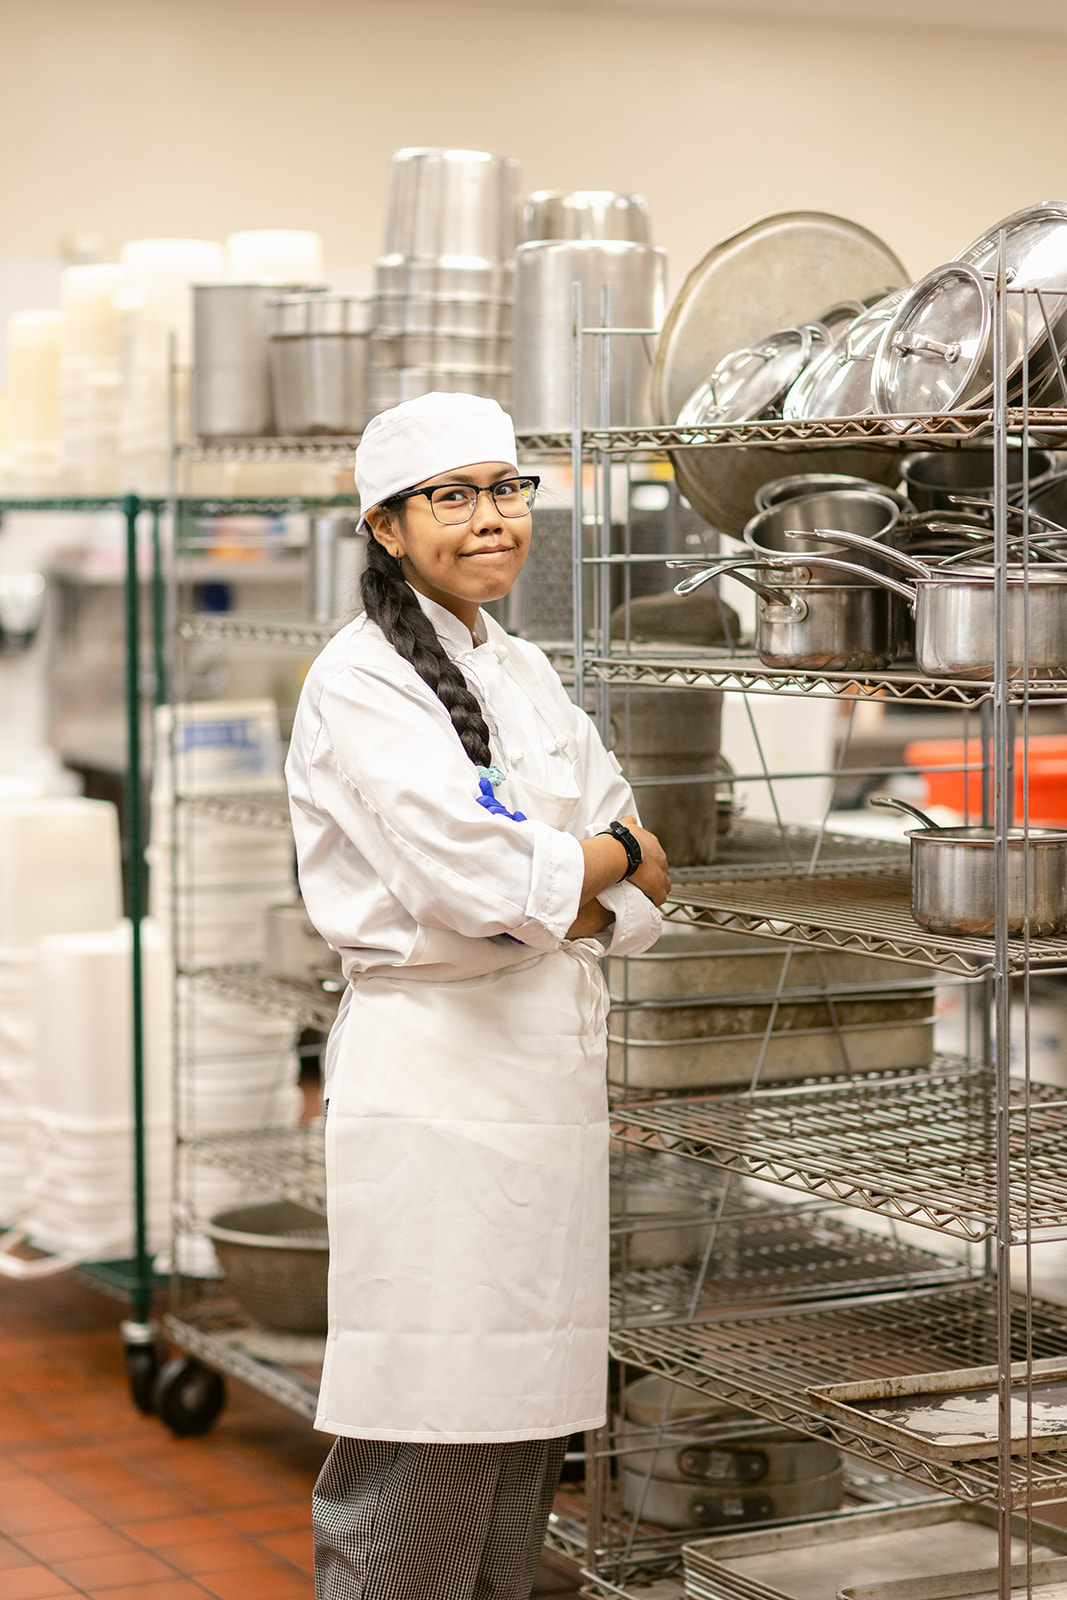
{"x": 453, "y": 503}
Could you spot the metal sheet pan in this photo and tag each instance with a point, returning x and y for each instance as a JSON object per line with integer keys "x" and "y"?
{"x": 953, "y": 1416}
{"x": 1046, "y": 1581}
{"x": 813, "y": 1560}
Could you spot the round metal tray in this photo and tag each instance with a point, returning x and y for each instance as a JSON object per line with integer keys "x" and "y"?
{"x": 782, "y": 270}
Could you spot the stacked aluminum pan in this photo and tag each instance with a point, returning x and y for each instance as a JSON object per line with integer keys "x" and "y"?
{"x": 445, "y": 286}
{"x": 600, "y": 241}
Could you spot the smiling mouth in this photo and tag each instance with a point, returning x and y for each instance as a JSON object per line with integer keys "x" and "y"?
{"x": 494, "y": 550}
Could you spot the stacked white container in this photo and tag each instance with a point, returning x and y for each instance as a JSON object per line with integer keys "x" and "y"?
{"x": 211, "y": 883}
{"x": 18, "y": 1044}
{"x": 89, "y": 386}
{"x": 444, "y": 287}
{"x": 155, "y": 309}
{"x": 59, "y": 874}
{"x": 80, "y": 1199}
{"x": 33, "y": 400}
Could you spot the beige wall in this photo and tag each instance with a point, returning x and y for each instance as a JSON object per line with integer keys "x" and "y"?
{"x": 138, "y": 117}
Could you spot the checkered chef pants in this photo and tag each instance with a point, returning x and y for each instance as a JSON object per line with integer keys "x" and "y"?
{"x": 398, "y": 1521}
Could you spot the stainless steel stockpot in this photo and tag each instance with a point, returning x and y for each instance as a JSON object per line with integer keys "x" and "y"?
{"x": 800, "y": 484}
{"x": 934, "y": 477}
{"x": 789, "y": 528}
{"x": 953, "y": 876}
{"x": 955, "y": 613}
{"x": 848, "y": 627}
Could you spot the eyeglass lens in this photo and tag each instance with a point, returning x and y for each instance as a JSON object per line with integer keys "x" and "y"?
{"x": 454, "y": 502}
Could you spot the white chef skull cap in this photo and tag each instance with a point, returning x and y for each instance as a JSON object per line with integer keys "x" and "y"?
{"x": 424, "y": 437}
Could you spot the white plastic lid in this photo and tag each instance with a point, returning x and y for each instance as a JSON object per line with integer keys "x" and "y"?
{"x": 274, "y": 255}
{"x": 181, "y": 258}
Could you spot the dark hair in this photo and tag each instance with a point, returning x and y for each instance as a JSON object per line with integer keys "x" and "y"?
{"x": 389, "y": 600}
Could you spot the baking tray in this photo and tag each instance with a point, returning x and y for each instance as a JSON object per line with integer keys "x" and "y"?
{"x": 953, "y": 1416}
{"x": 810, "y": 1561}
{"x": 1046, "y": 1580}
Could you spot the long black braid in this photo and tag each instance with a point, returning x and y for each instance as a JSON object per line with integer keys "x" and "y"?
{"x": 389, "y": 600}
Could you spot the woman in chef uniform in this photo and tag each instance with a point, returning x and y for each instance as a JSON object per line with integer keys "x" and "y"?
{"x": 453, "y": 813}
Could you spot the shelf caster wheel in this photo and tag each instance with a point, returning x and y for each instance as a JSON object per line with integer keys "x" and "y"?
{"x": 141, "y": 1350}
{"x": 142, "y": 1373}
{"x": 188, "y": 1396}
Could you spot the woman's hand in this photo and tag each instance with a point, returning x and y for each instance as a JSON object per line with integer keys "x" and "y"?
{"x": 653, "y": 875}
{"x": 605, "y": 863}
{"x": 592, "y": 919}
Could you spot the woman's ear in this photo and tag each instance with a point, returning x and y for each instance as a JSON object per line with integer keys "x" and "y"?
{"x": 383, "y": 528}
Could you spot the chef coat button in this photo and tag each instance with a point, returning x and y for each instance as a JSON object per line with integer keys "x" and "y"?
{"x": 501, "y": 652}
{"x": 518, "y": 757}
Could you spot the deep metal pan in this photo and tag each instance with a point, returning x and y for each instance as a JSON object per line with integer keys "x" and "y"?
{"x": 955, "y": 612}
{"x": 953, "y": 876}
{"x": 851, "y": 627}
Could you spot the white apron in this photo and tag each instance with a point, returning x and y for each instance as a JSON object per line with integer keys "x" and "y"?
{"x": 467, "y": 1194}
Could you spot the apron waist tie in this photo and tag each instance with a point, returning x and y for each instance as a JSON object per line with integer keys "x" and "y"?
{"x": 588, "y": 953}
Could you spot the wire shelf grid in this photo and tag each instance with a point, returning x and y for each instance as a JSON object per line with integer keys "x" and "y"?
{"x": 246, "y": 808}
{"x": 765, "y": 1363}
{"x": 310, "y": 1004}
{"x": 778, "y": 1258}
{"x": 743, "y": 672}
{"x": 223, "y": 1338}
{"x": 868, "y": 911}
{"x": 219, "y": 628}
{"x": 287, "y": 1162}
{"x": 918, "y": 1147}
{"x": 748, "y": 847}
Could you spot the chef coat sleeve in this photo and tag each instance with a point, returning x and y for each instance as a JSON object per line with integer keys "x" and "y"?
{"x": 605, "y": 796}
{"x": 387, "y": 767}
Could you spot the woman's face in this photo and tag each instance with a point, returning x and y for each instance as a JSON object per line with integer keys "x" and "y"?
{"x": 460, "y": 565}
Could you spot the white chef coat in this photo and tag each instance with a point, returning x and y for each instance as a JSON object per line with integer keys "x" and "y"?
{"x": 467, "y": 1139}
{"x": 400, "y": 867}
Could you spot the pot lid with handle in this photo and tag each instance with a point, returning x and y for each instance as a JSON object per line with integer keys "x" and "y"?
{"x": 1035, "y": 257}
{"x": 749, "y": 382}
{"x": 934, "y": 354}
{"x": 838, "y": 383}
{"x": 1035, "y": 248}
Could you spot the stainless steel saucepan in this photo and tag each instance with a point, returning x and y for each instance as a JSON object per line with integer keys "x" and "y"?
{"x": 955, "y": 612}
{"x": 953, "y": 876}
{"x": 790, "y": 526}
{"x": 850, "y": 627}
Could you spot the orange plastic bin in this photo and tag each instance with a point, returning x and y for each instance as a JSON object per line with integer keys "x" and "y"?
{"x": 962, "y": 791}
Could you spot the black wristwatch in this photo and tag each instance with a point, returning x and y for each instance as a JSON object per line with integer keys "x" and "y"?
{"x": 629, "y": 844}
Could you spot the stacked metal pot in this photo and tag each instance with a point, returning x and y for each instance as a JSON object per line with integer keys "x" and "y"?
{"x": 444, "y": 288}
{"x": 601, "y": 241}
{"x": 692, "y": 1462}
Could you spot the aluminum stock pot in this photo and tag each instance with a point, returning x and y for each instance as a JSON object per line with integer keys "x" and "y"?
{"x": 953, "y": 876}
{"x": 955, "y": 613}
{"x": 792, "y": 527}
{"x": 848, "y": 627}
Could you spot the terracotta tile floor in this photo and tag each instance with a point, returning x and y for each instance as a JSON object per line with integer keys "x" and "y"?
{"x": 97, "y": 1500}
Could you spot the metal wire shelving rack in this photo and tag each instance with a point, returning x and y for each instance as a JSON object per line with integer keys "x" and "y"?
{"x": 958, "y": 1148}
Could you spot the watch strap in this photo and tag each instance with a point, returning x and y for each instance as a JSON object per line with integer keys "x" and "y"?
{"x": 619, "y": 831}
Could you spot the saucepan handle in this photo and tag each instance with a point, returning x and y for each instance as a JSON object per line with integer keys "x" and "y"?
{"x": 782, "y": 596}
{"x": 868, "y": 574}
{"x": 858, "y": 541}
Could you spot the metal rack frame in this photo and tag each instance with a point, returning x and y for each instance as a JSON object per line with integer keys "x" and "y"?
{"x": 1017, "y": 1193}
